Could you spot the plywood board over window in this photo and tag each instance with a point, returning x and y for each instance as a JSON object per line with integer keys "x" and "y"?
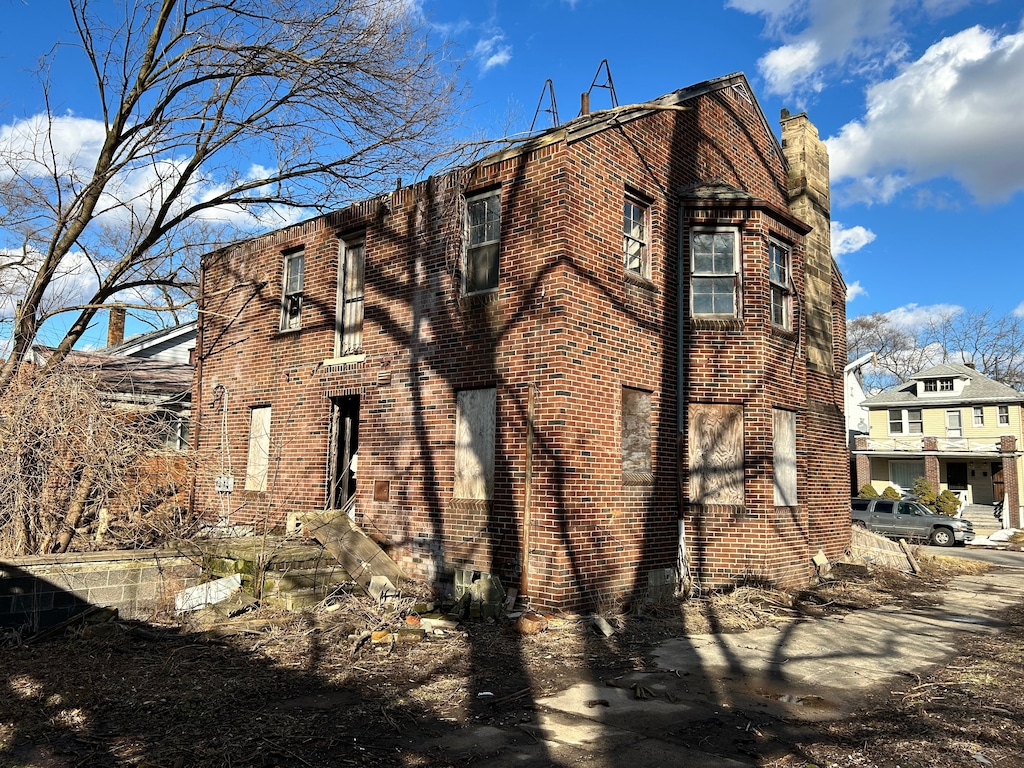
{"x": 474, "y": 444}
{"x": 784, "y": 460}
{"x": 636, "y": 436}
{"x": 259, "y": 449}
{"x": 715, "y": 448}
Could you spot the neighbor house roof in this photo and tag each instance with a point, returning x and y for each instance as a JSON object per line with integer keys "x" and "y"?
{"x": 979, "y": 389}
{"x": 132, "y": 379}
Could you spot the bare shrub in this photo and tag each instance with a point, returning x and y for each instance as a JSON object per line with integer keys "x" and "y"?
{"x": 76, "y": 469}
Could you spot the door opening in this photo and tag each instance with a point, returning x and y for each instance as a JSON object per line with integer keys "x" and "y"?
{"x": 344, "y": 449}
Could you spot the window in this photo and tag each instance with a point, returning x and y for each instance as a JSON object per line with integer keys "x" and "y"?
{"x": 938, "y": 385}
{"x": 291, "y": 305}
{"x": 483, "y": 234}
{"x": 634, "y": 238}
{"x": 474, "y": 444}
{"x": 778, "y": 279}
{"x": 715, "y": 272}
{"x": 784, "y": 461}
{"x": 954, "y": 427}
{"x": 979, "y": 417}
{"x": 1004, "y": 415}
{"x": 902, "y": 474}
{"x": 350, "y": 297}
{"x": 884, "y": 507}
{"x": 905, "y": 422}
{"x": 636, "y": 435}
{"x": 259, "y": 449}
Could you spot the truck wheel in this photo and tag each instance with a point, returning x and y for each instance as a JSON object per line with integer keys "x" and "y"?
{"x": 943, "y": 537}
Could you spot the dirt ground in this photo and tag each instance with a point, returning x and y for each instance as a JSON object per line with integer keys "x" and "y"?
{"x": 266, "y": 688}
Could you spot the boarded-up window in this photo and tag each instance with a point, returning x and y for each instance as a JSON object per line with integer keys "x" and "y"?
{"x": 715, "y": 449}
{"x": 636, "y": 435}
{"x": 784, "y": 460}
{"x": 259, "y": 449}
{"x": 474, "y": 444}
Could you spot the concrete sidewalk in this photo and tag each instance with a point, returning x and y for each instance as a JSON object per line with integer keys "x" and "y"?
{"x": 716, "y": 700}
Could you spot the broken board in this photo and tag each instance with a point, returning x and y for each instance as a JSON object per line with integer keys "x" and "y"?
{"x": 358, "y": 554}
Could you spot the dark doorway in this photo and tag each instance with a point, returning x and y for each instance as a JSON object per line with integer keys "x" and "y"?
{"x": 998, "y": 488}
{"x": 344, "y": 445}
{"x": 956, "y": 475}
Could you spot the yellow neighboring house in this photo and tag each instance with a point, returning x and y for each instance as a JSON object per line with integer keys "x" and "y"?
{"x": 953, "y": 425}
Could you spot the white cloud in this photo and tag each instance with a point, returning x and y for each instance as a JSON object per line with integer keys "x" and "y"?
{"x": 1019, "y": 311}
{"x": 492, "y": 52}
{"x": 955, "y": 113}
{"x": 791, "y": 65}
{"x": 861, "y": 36}
{"x": 914, "y": 317}
{"x": 37, "y": 146}
{"x": 854, "y": 290}
{"x": 849, "y": 239}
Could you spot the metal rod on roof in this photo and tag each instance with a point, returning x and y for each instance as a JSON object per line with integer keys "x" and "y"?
{"x": 549, "y": 88}
{"x": 607, "y": 85}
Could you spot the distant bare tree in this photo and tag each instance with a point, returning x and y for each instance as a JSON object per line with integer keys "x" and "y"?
{"x": 210, "y": 116}
{"x": 994, "y": 344}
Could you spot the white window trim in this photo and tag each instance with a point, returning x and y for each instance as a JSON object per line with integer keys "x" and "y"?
{"x": 952, "y": 431}
{"x": 1003, "y": 415}
{"x": 695, "y": 275}
{"x": 289, "y": 293}
{"x": 643, "y": 269}
{"x": 905, "y": 421}
{"x": 783, "y": 287}
{"x": 979, "y": 416}
{"x": 355, "y": 346}
{"x": 496, "y": 193}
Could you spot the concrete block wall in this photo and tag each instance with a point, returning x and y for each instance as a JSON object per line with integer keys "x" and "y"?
{"x": 43, "y": 590}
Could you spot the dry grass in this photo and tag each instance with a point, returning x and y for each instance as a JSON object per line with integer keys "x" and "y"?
{"x": 269, "y": 688}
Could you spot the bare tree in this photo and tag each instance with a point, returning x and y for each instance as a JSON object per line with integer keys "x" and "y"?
{"x": 993, "y": 344}
{"x": 209, "y": 115}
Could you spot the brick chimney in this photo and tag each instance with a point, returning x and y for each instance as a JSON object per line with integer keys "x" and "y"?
{"x": 115, "y": 326}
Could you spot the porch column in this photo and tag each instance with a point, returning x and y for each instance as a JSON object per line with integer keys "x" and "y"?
{"x": 931, "y": 461}
{"x": 1013, "y": 515}
{"x": 862, "y": 466}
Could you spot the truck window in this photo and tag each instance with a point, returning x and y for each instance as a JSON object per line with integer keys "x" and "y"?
{"x": 884, "y": 507}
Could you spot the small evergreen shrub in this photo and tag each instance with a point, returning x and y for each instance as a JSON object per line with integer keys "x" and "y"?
{"x": 891, "y": 493}
{"x": 925, "y": 492}
{"x": 867, "y": 491}
{"x": 947, "y": 503}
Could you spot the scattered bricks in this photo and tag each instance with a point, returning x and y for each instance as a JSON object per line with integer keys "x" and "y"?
{"x": 381, "y": 636}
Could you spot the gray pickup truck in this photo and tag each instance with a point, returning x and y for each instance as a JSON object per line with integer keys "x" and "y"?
{"x": 904, "y": 519}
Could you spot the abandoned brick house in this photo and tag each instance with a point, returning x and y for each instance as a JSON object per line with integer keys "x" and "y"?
{"x": 592, "y": 364}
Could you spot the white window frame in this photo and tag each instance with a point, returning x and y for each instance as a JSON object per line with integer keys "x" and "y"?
{"x": 707, "y": 274}
{"x": 1004, "y": 415}
{"x": 293, "y": 278}
{"x": 483, "y": 240}
{"x": 636, "y": 227}
{"x": 348, "y": 327}
{"x": 957, "y": 429}
{"x": 257, "y": 465}
{"x": 778, "y": 280}
{"x": 905, "y": 422}
{"x": 979, "y": 416}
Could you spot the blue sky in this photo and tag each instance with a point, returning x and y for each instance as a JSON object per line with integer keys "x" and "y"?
{"x": 921, "y": 101}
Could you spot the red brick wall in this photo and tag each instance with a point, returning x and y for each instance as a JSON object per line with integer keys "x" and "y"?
{"x": 567, "y": 325}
